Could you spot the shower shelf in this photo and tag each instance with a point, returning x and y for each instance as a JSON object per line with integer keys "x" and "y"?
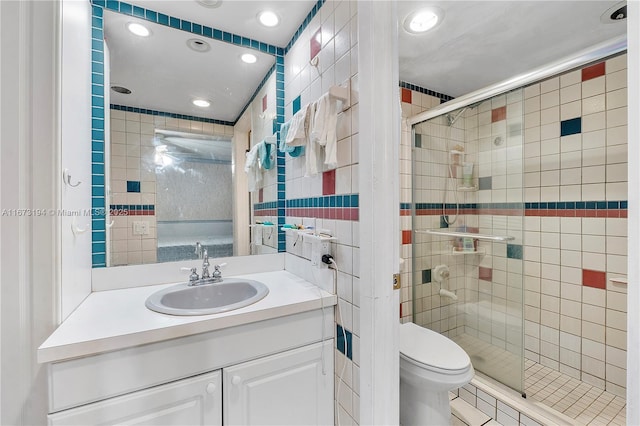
{"x": 481, "y": 237}
{"x": 461, "y": 252}
{"x": 467, "y": 188}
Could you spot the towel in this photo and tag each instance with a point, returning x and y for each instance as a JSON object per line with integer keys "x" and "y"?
{"x": 323, "y": 131}
{"x": 297, "y": 134}
{"x": 254, "y": 175}
{"x": 293, "y": 151}
{"x": 264, "y": 155}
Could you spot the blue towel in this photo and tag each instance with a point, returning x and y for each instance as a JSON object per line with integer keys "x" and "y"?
{"x": 294, "y": 151}
{"x": 264, "y": 154}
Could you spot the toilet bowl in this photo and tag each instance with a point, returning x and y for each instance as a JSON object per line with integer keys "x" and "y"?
{"x": 431, "y": 365}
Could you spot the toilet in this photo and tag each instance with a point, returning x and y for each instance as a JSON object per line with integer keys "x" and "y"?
{"x": 431, "y": 365}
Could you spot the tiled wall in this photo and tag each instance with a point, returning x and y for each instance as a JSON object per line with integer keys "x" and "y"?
{"x": 576, "y": 162}
{"x": 414, "y": 100}
{"x": 330, "y": 199}
{"x": 133, "y": 178}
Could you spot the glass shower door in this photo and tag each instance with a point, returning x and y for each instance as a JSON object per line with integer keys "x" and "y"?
{"x": 468, "y": 221}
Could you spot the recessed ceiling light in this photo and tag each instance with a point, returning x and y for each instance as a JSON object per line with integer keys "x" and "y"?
{"x": 138, "y": 29}
{"x": 248, "y": 58}
{"x": 423, "y": 20}
{"x": 198, "y": 45}
{"x": 211, "y": 4}
{"x": 121, "y": 89}
{"x": 202, "y": 103}
{"x": 616, "y": 13}
{"x": 268, "y": 18}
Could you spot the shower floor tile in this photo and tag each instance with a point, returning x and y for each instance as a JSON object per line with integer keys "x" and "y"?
{"x": 586, "y": 404}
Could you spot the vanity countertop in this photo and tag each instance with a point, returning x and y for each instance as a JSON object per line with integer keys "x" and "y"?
{"x": 118, "y": 319}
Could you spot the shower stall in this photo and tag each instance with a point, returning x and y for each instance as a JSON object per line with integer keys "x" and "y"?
{"x": 468, "y": 224}
{"x": 518, "y": 213}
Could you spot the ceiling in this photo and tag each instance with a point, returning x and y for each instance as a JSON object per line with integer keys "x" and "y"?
{"x": 239, "y": 16}
{"x": 165, "y": 75}
{"x": 479, "y": 43}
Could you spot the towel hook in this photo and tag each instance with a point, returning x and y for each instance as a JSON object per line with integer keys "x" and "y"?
{"x": 76, "y": 229}
{"x": 66, "y": 177}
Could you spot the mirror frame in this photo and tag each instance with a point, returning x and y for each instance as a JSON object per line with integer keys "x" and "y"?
{"x": 98, "y": 113}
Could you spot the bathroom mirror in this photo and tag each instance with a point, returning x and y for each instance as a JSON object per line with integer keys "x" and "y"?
{"x": 175, "y": 97}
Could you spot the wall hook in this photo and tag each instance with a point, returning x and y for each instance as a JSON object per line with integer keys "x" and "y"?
{"x": 314, "y": 61}
{"x": 76, "y": 229}
{"x": 66, "y": 177}
{"x": 110, "y": 224}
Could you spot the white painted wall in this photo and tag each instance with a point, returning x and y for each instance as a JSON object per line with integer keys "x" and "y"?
{"x": 379, "y": 220}
{"x": 29, "y": 180}
{"x": 633, "y": 249}
{"x": 76, "y": 152}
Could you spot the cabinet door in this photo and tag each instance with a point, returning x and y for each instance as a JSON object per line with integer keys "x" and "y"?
{"x": 289, "y": 388}
{"x": 193, "y": 401}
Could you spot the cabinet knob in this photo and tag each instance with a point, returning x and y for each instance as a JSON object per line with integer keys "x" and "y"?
{"x": 236, "y": 380}
{"x": 211, "y": 388}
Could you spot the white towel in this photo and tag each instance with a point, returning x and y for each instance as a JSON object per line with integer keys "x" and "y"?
{"x": 323, "y": 131}
{"x": 254, "y": 173}
{"x": 297, "y": 135}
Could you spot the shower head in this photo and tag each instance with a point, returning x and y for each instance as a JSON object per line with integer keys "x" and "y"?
{"x": 451, "y": 119}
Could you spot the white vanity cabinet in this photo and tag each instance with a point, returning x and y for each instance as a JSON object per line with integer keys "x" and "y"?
{"x": 278, "y": 371}
{"x": 291, "y": 388}
{"x": 193, "y": 401}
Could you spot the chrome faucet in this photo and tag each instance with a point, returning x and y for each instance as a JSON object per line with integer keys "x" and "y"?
{"x": 205, "y": 265}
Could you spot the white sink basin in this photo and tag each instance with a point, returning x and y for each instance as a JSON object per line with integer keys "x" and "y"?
{"x": 205, "y": 299}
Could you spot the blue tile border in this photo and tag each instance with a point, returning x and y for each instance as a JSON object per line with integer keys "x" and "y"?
{"x": 169, "y": 114}
{"x": 552, "y": 205}
{"x": 312, "y": 13}
{"x": 345, "y": 200}
{"x": 98, "y": 113}
{"x": 98, "y": 221}
{"x": 441, "y": 96}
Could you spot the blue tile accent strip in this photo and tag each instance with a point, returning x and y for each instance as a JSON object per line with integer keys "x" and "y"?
{"x": 191, "y": 27}
{"x": 426, "y": 276}
{"x": 260, "y": 86}
{"x": 312, "y": 13}
{"x": 444, "y": 98}
{"x": 124, "y": 209}
{"x": 98, "y": 236}
{"x": 97, "y": 90}
{"x": 169, "y": 114}
{"x": 346, "y": 200}
{"x": 418, "y": 140}
{"x": 559, "y": 205}
{"x": 340, "y": 338}
{"x": 571, "y": 127}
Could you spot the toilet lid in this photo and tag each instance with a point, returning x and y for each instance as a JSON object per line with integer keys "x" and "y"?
{"x": 432, "y": 349}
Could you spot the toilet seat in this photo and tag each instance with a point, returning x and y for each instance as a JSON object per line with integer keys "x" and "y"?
{"x": 432, "y": 351}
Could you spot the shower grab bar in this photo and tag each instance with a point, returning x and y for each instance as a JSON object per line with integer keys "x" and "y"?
{"x": 481, "y": 237}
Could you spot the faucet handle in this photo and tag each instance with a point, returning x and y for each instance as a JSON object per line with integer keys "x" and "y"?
{"x": 193, "y": 277}
{"x": 217, "y": 274}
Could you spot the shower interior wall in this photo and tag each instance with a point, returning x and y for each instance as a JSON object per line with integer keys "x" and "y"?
{"x": 562, "y": 150}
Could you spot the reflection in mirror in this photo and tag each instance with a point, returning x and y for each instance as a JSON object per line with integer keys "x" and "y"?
{"x": 170, "y": 179}
{"x": 194, "y": 208}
